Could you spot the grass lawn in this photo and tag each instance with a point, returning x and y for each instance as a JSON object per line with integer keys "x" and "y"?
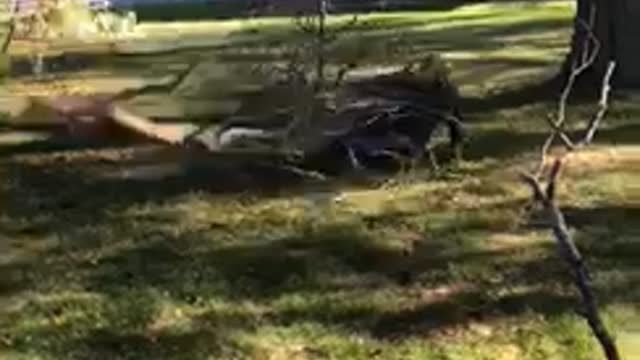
{"x": 207, "y": 267}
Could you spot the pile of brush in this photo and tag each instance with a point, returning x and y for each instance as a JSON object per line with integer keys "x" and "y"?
{"x": 370, "y": 123}
{"x": 380, "y": 121}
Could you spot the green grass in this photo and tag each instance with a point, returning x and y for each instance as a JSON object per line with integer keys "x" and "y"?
{"x": 228, "y": 265}
{"x": 101, "y": 269}
{"x": 488, "y": 47}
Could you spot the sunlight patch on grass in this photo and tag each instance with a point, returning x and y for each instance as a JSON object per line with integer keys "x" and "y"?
{"x": 510, "y": 241}
{"x": 278, "y": 289}
{"x": 625, "y": 320}
{"x": 487, "y": 17}
{"x": 432, "y": 268}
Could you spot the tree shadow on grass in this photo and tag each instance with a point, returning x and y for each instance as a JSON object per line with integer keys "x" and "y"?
{"x": 401, "y": 41}
{"x": 531, "y": 93}
{"x": 122, "y": 328}
{"x": 585, "y": 92}
{"x": 501, "y": 144}
{"x": 351, "y": 279}
{"x": 504, "y": 144}
{"x": 267, "y": 268}
{"x": 188, "y": 345}
{"x": 13, "y": 280}
{"x": 236, "y": 10}
{"x": 65, "y": 194}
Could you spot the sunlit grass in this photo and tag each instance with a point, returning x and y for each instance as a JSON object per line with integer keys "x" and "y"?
{"x": 422, "y": 268}
{"x": 228, "y": 276}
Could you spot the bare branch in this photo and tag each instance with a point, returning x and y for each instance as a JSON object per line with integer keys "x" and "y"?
{"x": 591, "y": 25}
{"x": 544, "y": 150}
{"x": 8, "y": 37}
{"x": 532, "y": 181}
{"x": 553, "y": 176}
{"x": 570, "y": 253}
{"x": 558, "y": 131}
{"x": 577, "y": 69}
{"x": 567, "y": 249}
{"x": 603, "y": 105}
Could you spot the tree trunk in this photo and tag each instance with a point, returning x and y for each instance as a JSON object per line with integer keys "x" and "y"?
{"x": 616, "y": 26}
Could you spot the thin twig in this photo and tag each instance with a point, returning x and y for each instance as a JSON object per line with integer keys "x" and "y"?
{"x": 603, "y": 105}
{"x": 558, "y": 131}
{"x": 577, "y": 68}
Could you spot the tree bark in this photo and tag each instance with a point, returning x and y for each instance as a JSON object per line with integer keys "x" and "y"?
{"x": 614, "y": 23}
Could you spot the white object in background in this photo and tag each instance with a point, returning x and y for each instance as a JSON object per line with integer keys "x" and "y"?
{"x": 231, "y": 135}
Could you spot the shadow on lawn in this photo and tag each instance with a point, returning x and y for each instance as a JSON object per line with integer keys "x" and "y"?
{"x": 324, "y": 264}
{"x": 143, "y": 263}
{"x": 391, "y": 40}
{"x": 386, "y": 40}
{"x": 243, "y": 9}
{"x": 504, "y": 144}
{"x": 84, "y": 178}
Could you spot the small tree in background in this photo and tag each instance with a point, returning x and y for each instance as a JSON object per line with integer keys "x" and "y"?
{"x": 309, "y": 69}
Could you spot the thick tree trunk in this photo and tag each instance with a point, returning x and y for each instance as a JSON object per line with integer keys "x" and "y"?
{"x": 615, "y": 24}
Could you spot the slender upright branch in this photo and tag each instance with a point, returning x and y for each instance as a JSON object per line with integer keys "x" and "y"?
{"x": 13, "y": 12}
{"x": 589, "y": 56}
{"x": 8, "y": 37}
{"x": 580, "y": 64}
{"x": 546, "y": 197}
{"x": 603, "y": 105}
{"x": 571, "y": 255}
{"x": 321, "y": 38}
